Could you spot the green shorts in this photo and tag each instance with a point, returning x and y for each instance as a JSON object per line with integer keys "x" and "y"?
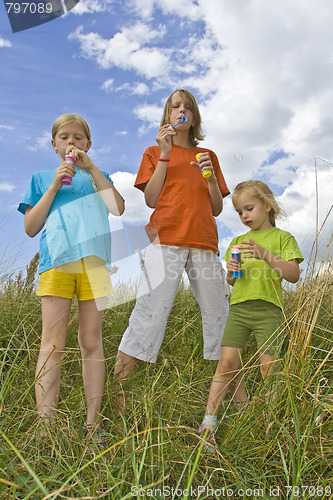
{"x": 259, "y": 317}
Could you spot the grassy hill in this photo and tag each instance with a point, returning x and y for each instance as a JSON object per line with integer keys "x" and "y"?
{"x": 280, "y": 449}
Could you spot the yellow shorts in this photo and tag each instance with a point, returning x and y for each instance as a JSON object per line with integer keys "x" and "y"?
{"x": 88, "y": 278}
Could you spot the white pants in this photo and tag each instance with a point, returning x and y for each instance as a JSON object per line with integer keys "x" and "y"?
{"x": 163, "y": 269}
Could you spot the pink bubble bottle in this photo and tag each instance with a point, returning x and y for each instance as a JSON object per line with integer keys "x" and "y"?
{"x": 67, "y": 181}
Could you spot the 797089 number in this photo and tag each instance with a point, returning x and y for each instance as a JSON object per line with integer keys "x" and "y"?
{"x": 29, "y": 8}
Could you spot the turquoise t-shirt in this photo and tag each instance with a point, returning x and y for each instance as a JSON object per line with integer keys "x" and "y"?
{"x": 77, "y": 225}
{"x": 259, "y": 280}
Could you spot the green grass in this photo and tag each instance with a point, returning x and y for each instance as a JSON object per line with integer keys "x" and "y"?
{"x": 155, "y": 452}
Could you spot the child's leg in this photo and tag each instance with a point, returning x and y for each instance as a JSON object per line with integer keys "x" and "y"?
{"x": 269, "y": 364}
{"x": 226, "y": 371}
{"x": 93, "y": 363}
{"x": 126, "y": 366}
{"x": 208, "y": 283}
{"x": 142, "y": 339}
{"x": 55, "y": 317}
{"x": 238, "y": 391}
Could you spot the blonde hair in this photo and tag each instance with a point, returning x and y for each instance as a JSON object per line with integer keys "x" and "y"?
{"x": 261, "y": 191}
{"x": 68, "y": 118}
{"x": 196, "y": 133}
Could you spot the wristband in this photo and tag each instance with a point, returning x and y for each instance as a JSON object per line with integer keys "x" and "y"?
{"x": 163, "y": 159}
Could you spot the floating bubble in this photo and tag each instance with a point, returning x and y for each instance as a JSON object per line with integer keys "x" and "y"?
{"x": 238, "y": 156}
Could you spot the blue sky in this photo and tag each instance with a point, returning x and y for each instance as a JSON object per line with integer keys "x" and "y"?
{"x": 261, "y": 72}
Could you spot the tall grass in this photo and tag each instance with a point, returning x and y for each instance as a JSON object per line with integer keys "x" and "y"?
{"x": 279, "y": 449}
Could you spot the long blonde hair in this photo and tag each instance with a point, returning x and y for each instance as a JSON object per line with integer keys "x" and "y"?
{"x": 196, "y": 133}
{"x": 68, "y": 118}
{"x": 261, "y": 191}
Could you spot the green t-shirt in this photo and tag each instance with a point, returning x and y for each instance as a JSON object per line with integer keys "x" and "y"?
{"x": 259, "y": 280}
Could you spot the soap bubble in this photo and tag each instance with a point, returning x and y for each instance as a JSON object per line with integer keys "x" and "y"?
{"x": 238, "y": 156}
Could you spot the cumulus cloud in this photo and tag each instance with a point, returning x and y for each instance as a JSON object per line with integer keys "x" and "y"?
{"x": 9, "y": 128}
{"x": 108, "y": 85}
{"x": 133, "y": 88}
{"x": 181, "y": 8}
{"x": 41, "y": 143}
{"x": 149, "y": 113}
{"x": 128, "y": 49}
{"x": 7, "y": 187}
{"x": 136, "y": 210}
{"x": 4, "y": 42}
{"x": 92, "y": 6}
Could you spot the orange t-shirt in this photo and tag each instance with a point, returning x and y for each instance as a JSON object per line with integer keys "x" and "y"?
{"x": 183, "y": 215}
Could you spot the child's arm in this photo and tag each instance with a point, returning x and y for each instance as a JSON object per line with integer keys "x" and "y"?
{"x": 35, "y": 217}
{"x": 114, "y": 202}
{"x": 156, "y": 182}
{"x": 232, "y": 266}
{"x": 288, "y": 270}
{"x": 215, "y": 194}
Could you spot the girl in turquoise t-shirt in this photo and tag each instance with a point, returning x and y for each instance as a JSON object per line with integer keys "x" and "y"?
{"x": 71, "y": 205}
{"x": 268, "y": 255}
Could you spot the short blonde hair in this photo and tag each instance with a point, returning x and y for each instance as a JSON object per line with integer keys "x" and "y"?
{"x": 68, "y": 118}
{"x": 196, "y": 133}
{"x": 261, "y": 191}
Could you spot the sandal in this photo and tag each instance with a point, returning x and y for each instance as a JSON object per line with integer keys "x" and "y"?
{"x": 208, "y": 435}
{"x": 96, "y": 434}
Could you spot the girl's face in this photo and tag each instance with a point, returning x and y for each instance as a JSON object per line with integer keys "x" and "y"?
{"x": 253, "y": 212}
{"x": 70, "y": 134}
{"x": 179, "y": 108}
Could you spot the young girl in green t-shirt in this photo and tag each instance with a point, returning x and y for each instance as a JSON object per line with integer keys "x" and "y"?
{"x": 268, "y": 255}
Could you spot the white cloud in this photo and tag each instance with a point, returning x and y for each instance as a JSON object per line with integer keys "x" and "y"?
{"x": 6, "y": 127}
{"x": 127, "y": 49}
{"x": 4, "y": 42}
{"x": 108, "y": 85}
{"x": 136, "y": 210}
{"x": 135, "y": 88}
{"x": 7, "y": 187}
{"x": 307, "y": 202}
{"x": 91, "y": 6}
{"x": 41, "y": 143}
{"x": 181, "y": 8}
{"x": 150, "y": 115}
{"x": 140, "y": 88}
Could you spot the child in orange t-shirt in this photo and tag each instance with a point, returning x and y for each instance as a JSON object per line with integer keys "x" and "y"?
{"x": 183, "y": 235}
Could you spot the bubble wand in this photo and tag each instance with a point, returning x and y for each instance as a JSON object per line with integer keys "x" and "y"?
{"x": 183, "y": 119}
